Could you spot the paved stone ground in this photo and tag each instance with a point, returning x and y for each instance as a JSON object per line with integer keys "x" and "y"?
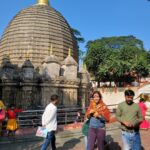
{"x": 68, "y": 139}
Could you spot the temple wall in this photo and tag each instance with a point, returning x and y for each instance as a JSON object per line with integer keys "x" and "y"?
{"x": 113, "y": 96}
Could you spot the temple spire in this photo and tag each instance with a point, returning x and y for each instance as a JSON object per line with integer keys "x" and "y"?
{"x": 43, "y": 2}
{"x": 69, "y": 52}
{"x": 50, "y": 52}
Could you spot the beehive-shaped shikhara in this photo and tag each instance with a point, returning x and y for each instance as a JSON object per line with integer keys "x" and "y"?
{"x": 32, "y": 31}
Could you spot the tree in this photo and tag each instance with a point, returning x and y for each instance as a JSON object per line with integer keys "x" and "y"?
{"x": 121, "y": 41}
{"x": 148, "y": 59}
{"x": 95, "y": 56}
{"x": 117, "y": 59}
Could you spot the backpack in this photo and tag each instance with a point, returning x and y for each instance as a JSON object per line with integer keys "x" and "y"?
{"x": 85, "y": 127}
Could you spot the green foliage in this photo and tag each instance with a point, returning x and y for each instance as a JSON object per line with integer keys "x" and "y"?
{"x": 148, "y": 59}
{"x": 117, "y": 59}
{"x": 95, "y": 56}
{"x": 77, "y": 35}
{"x": 121, "y": 41}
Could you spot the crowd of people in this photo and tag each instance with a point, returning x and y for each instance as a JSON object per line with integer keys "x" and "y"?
{"x": 131, "y": 115}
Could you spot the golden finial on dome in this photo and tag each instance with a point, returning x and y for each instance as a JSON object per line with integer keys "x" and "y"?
{"x": 43, "y": 2}
{"x": 50, "y": 51}
{"x": 69, "y": 52}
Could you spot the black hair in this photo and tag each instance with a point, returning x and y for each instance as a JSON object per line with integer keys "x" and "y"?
{"x": 11, "y": 105}
{"x": 142, "y": 100}
{"x": 54, "y": 97}
{"x": 129, "y": 93}
{"x": 97, "y": 92}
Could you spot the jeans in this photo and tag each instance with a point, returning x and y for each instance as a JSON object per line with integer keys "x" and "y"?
{"x": 49, "y": 139}
{"x": 131, "y": 141}
{"x": 86, "y": 142}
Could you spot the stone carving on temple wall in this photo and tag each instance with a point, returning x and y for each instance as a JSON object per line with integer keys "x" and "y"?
{"x": 27, "y": 73}
{"x": 7, "y": 70}
{"x": 27, "y": 77}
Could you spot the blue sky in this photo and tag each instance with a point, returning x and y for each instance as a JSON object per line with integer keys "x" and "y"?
{"x": 93, "y": 18}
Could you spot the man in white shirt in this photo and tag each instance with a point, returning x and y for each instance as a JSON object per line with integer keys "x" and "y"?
{"x": 49, "y": 121}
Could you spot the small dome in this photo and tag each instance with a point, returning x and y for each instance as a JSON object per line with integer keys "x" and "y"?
{"x": 84, "y": 74}
{"x": 6, "y": 63}
{"x": 51, "y": 58}
{"x": 69, "y": 61}
{"x": 27, "y": 64}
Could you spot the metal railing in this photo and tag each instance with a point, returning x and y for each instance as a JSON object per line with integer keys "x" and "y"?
{"x": 32, "y": 118}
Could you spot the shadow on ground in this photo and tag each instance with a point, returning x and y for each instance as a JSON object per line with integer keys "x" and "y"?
{"x": 112, "y": 145}
{"x": 34, "y": 145}
{"x": 70, "y": 144}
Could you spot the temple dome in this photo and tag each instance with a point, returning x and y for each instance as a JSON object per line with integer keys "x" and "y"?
{"x": 32, "y": 31}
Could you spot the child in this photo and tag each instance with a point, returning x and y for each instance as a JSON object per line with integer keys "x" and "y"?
{"x": 12, "y": 120}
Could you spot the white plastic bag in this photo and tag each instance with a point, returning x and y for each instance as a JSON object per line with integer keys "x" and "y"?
{"x": 41, "y": 132}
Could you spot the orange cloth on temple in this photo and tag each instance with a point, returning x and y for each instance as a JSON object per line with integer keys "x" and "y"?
{"x": 100, "y": 108}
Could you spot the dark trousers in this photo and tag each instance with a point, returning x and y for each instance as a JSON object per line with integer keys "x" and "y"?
{"x": 96, "y": 135}
{"x": 49, "y": 139}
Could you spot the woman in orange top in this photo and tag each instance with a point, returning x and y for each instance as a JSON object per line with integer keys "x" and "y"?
{"x": 98, "y": 114}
